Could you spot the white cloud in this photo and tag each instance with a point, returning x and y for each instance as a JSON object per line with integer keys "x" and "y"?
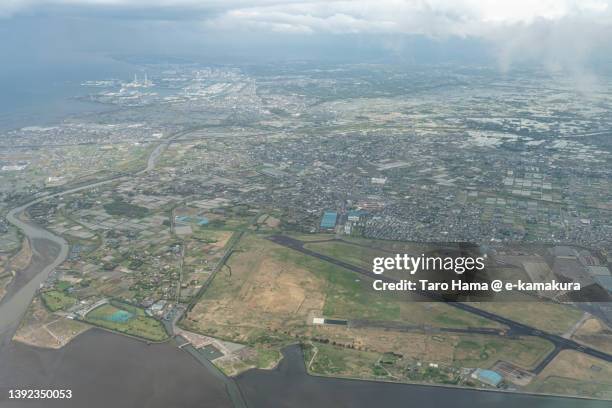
{"x": 431, "y": 17}
{"x": 561, "y": 32}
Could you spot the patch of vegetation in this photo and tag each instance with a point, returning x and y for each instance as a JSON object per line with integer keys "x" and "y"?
{"x": 485, "y": 351}
{"x": 329, "y": 360}
{"x": 122, "y": 208}
{"x": 63, "y": 285}
{"x": 267, "y": 357}
{"x": 55, "y": 300}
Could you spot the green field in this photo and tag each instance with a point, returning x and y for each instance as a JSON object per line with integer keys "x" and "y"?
{"x": 350, "y": 296}
{"x": 55, "y": 300}
{"x": 355, "y": 255}
{"x": 122, "y": 208}
{"x": 137, "y": 325}
{"x": 328, "y": 360}
{"x": 485, "y": 351}
{"x": 548, "y": 316}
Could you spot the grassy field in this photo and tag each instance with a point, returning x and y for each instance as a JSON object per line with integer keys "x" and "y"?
{"x": 595, "y": 333}
{"x": 55, "y": 300}
{"x": 351, "y": 296}
{"x": 552, "y": 317}
{"x": 358, "y": 256}
{"x": 272, "y": 293}
{"x": 347, "y": 295}
{"x": 484, "y": 351}
{"x": 218, "y": 238}
{"x": 260, "y": 295}
{"x": 137, "y": 325}
{"x": 402, "y": 366}
{"x": 272, "y": 287}
{"x": 573, "y": 373}
{"x": 328, "y": 360}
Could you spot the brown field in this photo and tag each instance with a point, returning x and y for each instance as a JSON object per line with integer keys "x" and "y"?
{"x": 41, "y": 328}
{"x": 273, "y": 293}
{"x": 272, "y": 222}
{"x": 271, "y": 287}
{"x": 262, "y": 292}
{"x": 596, "y": 334}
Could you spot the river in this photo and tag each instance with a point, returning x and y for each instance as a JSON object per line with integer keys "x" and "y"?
{"x": 109, "y": 370}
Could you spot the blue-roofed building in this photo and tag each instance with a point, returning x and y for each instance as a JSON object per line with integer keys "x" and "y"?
{"x": 489, "y": 377}
{"x": 329, "y": 220}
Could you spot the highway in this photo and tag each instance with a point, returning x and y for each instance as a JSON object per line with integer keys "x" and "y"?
{"x": 515, "y": 328}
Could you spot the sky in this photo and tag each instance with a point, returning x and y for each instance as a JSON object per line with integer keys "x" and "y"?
{"x": 557, "y": 34}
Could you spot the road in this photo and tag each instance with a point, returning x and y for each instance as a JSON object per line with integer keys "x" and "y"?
{"x": 515, "y": 328}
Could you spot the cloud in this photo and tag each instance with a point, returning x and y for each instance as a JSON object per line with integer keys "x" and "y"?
{"x": 557, "y": 32}
{"x": 430, "y": 17}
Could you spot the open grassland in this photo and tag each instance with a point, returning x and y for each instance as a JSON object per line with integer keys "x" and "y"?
{"x": 275, "y": 288}
{"x": 420, "y": 358}
{"x": 137, "y": 324}
{"x": 400, "y": 307}
{"x": 329, "y": 360}
{"x": 262, "y": 293}
{"x": 269, "y": 295}
{"x": 485, "y": 351}
{"x": 573, "y": 373}
{"x": 596, "y": 334}
{"x": 358, "y": 256}
{"x": 311, "y": 237}
{"x": 465, "y": 350}
{"x": 548, "y": 316}
{"x": 215, "y": 238}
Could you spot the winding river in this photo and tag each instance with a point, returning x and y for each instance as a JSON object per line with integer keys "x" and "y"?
{"x": 105, "y": 369}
